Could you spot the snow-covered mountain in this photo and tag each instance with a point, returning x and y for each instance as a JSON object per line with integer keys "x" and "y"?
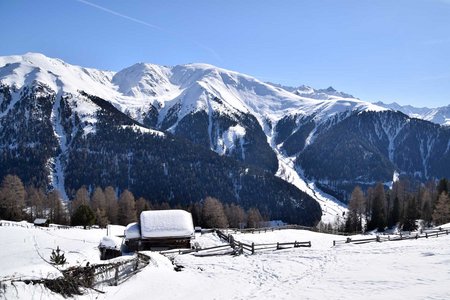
{"x": 319, "y": 94}
{"x": 268, "y": 127}
{"x": 439, "y": 115}
{"x": 64, "y": 126}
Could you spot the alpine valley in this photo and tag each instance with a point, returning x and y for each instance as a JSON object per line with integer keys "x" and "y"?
{"x": 182, "y": 133}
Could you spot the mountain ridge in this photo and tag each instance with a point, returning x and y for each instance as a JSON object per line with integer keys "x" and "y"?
{"x": 234, "y": 115}
{"x": 438, "y": 115}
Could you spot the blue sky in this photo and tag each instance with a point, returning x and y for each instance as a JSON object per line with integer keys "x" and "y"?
{"x": 392, "y": 50}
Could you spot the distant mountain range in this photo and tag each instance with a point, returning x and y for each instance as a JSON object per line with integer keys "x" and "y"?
{"x": 439, "y": 115}
{"x": 183, "y": 132}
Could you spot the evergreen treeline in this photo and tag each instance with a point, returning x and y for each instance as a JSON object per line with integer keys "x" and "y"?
{"x": 102, "y": 207}
{"x": 370, "y": 146}
{"x": 165, "y": 168}
{"x": 402, "y": 205}
{"x": 110, "y": 152}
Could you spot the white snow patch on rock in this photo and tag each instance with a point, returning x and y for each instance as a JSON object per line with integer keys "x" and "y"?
{"x": 230, "y": 139}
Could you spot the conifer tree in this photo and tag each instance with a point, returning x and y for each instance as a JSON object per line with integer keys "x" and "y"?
{"x": 141, "y": 205}
{"x": 442, "y": 186}
{"x": 35, "y": 200}
{"x": 98, "y": 204}
{"x": 426, "y": 207}
{"x": 236, "y": 215}
{"x": 127, "y": 208}
{"x": 57, "y": 211}
{"x": 57, "y": 257}
{"x": 254, "y": 218}
{"x": 377, "y": 218}
{"x": 394, "y": 216}
{"x": 81, "y": 198}
{"x": 83, "y": 216}
{"x": 409, "y": 220}
{"x": 12, "y": 198}
{"x": 196, "y": 211}
{"x": 213, "y": 214}
{"x": 441, "y": 214}
{"x": 356, "y": 208}
{"x": 98, "y": 200}
{"x": 112, "y": 205}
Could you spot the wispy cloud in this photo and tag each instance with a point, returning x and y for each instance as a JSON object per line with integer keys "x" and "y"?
{"x": 210, "y": 50}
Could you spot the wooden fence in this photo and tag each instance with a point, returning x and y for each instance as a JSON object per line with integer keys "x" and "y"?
{"x": 202, "y": 251}
{"x": 272, "y": 229}
{"x": 110, "y": 273}
{"x": 75, "y": 279}
{"x": 241, "y": 247}
{"x": 399, "y": 237}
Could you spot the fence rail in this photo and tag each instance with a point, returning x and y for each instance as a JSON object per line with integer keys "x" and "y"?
{"x": 197, "y": 250}
{"x": 110, "y": 273}
{"x": 399, "y": 237}
{"x": 252, "y": 248}
{"x": 272, "y": 229}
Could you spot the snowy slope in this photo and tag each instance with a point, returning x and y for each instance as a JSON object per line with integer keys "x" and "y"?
{"x": 439, "y": 115}
{"x": 309, "y": 92}
{"x": 140, "y": 85}
{"x": 411, "y": 269}
{"x": 169, "y": 94}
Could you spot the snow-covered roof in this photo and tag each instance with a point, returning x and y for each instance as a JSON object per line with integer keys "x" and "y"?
{"x": 132, "y": 231}
{"x": 111, "y": 242}
{"x": 166, "y": 223}
{"x": 40, "y": 221}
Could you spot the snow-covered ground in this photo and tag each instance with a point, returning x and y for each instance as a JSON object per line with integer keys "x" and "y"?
{"x": 410, "y": 269}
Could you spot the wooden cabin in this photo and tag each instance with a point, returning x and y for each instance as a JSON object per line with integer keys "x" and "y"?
{"x": 160, "y": 230}
{"x": 41, "y": 222}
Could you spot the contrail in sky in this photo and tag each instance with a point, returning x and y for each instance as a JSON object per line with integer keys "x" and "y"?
{"x": 120, "y": 15}
{"x": 152, "y": 26}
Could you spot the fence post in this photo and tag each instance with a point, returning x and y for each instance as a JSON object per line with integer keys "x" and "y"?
{"x": 278, "y": 245}
{"x": 116, "y": 276}
{"x": 426, "y": 234}
{"x": 309, "y": 243}
{"x": 253, "y": 248}
{"x": 334, "y": 243}
{"x": 295, "y": 244}
{"x": 378, "y": 238}
{"x": 136, "y": 264}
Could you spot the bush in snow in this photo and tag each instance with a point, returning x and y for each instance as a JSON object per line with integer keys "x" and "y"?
{"x": 57, "y": 258}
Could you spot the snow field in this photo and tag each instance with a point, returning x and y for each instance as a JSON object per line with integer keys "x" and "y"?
{"x": 409, "y": 269}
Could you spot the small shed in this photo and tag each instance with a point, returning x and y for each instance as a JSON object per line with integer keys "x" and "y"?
{"x": 41, "y": 222}
{"x": 110, "y": 247}
{"x": 160, "y": 229}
